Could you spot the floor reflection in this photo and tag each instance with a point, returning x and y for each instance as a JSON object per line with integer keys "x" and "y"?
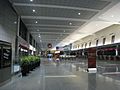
{"x": 91, "y": 81}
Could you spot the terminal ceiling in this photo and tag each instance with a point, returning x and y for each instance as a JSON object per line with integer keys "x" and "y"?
{"x": 60, "y": 22}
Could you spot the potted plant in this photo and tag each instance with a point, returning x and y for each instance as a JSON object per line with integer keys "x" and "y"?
{"x": 28, "y": 63}
{"x": 24, "y": 65}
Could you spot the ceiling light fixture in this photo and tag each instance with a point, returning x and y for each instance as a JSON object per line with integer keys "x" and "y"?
{"x": 70, "y": 23}
{"x": 79, "y": 13}
{"x": 36, "y": 21}
{"x": 33, "y": 10}
{"x": 96, "y": 25}
{"x": 112, "y": 15}
{"x": 38, "y": 30}
{"x": 15, "y": 22}
{"x": 31, "y": 0}
{"x": 64, "y": 30}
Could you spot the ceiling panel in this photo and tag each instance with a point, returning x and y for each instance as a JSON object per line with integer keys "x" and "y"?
{"x": 55, "y": 12}
{"x": 51, "y": 36}
{"x": 52, "y": 28}
{"x": 53, "y": 22}
{"x": 52, "y": 31}
{"x": 93, "y": 4}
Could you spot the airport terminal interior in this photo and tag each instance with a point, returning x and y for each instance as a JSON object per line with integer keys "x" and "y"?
{"x": 59, "y": 44}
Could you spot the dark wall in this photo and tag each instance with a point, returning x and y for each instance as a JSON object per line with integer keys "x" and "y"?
{"x": 31, "y": 39}
{"x": 23, "y": 30}
{"x": 8, "y": 28}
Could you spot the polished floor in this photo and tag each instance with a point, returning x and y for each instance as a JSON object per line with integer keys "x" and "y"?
{"x": 64, "y": 76}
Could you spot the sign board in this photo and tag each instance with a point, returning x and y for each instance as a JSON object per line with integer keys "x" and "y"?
{"x": 92, "y": 58}
{"x": 49, "y": 45}
{"x": 5, "y": 54}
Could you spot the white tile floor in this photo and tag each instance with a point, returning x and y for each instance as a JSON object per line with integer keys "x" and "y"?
{"x": 61, "y": 77}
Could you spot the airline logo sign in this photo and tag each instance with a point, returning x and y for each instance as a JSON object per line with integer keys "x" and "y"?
{"x": 49, "y": 45}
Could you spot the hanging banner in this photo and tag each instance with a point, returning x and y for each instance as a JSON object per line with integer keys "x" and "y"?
{"x": 92, "y": 58}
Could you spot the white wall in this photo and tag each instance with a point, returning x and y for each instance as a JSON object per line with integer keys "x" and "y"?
{"x": 107, "y": 33}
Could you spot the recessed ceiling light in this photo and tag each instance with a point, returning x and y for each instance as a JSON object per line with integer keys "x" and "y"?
{"x": 112, "y": 15}
{"x": 39, "y": 36}
{"x": 70, "y": 23}
{"x": 96, "y": 24}
{"x": 79, "y": 13}
{"x": 15, "y": 22}
{"x": 38, "y": 30}
{"x": 33, "y": 10}
{"x": 31, "y": 0}
{"x": 36, "y": 21}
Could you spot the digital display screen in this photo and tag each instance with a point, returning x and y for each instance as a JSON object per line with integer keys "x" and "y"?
{"x": 6, "y": 56}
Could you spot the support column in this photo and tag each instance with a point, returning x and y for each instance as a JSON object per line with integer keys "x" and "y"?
{"x": 28, "y": 37}
{"x": 17, "y": 42}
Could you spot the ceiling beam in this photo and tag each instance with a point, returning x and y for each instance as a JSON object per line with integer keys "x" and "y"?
{"x": 51, "y": 25}
{"x": 62, "y": 29}
{"x": 53, "y": 18}
{"x": 50, "y": 36}
{"x": 51, "y": 39}
{"x": 53, "y": 6}
{"x": 49, "y": 33}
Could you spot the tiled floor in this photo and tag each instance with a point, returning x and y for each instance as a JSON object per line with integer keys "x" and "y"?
{"x": 62, "y": 77}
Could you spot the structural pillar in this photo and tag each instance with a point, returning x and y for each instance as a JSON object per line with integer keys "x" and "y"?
{"x": 17, "y": 42}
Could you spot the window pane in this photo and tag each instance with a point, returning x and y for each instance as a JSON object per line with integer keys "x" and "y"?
{"x": 104, "y": 39}
{"x": 97, "y": 42}
{"x": 89, "y": 43}
{"x": 85, "y": 45}
{"x": 113, "y": 39}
